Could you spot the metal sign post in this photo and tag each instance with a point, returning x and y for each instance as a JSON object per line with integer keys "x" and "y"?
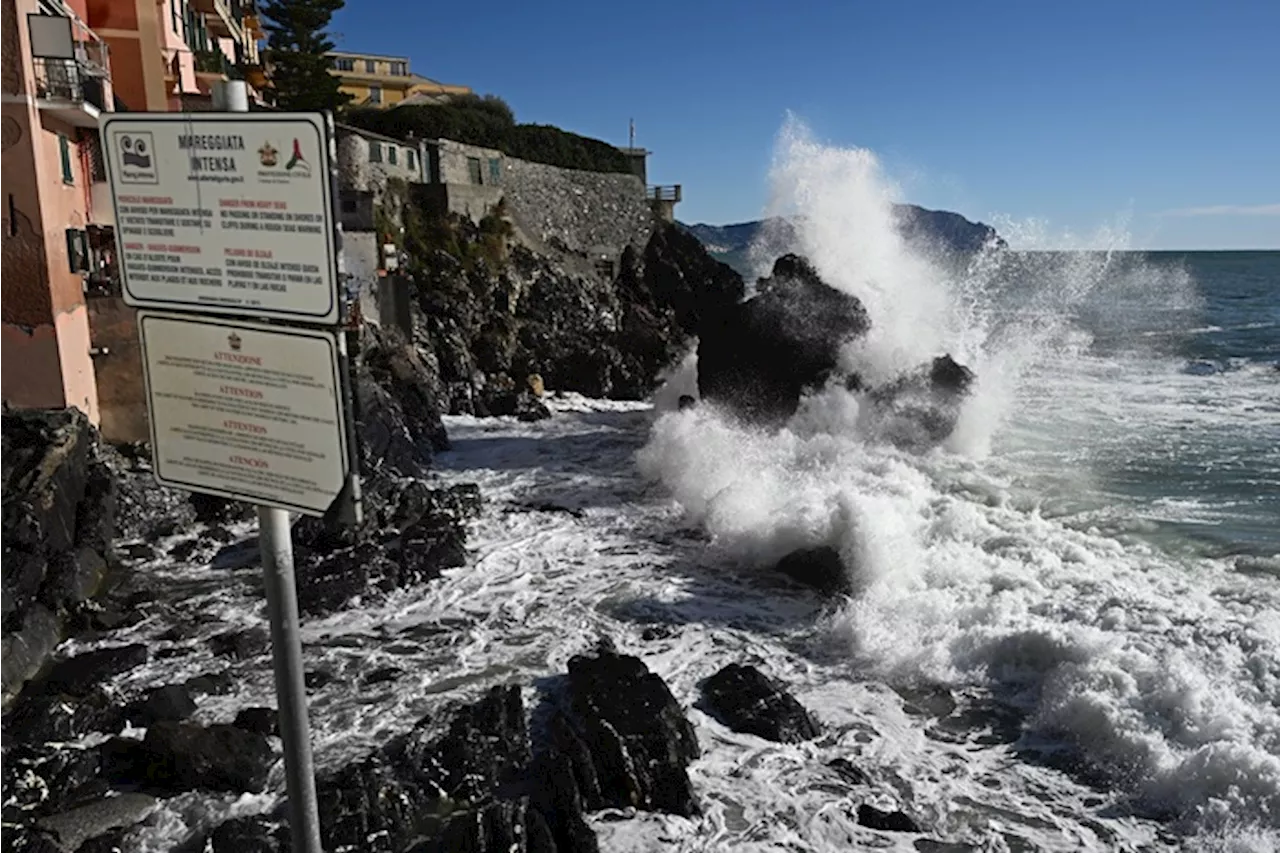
{"x": 275, "y": 544}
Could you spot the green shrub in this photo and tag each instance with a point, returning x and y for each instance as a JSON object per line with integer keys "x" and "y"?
{"x": 488, "y": 122}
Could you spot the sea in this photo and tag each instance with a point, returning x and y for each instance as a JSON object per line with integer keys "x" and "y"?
{"x": 1065, "y": 627}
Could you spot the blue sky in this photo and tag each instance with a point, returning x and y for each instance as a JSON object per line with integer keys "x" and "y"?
{"x": 1160, "y": 116}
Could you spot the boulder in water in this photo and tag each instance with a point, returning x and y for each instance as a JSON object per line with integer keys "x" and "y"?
{"x": 176, "y": 756}
{"x": 746, "y": 700}
{"x": 757, "y": 358}
{"x": 874, "y": 818}
{"x": 819, "y": 568}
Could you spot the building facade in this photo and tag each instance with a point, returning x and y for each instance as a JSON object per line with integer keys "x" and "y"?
{"x": 373, "y": 80}
{"x": 56, "y": 83}
{"x": 167, "y": 54}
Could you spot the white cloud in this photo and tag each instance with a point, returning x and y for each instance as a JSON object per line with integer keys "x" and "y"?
{"x": 1226, "y": 210}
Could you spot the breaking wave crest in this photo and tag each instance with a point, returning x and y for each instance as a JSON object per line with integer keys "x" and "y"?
{"x": 1151, "y": 669}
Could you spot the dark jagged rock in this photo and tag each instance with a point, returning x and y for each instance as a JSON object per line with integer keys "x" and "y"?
{"x": 185, "y": 757}
{"x": 846, "y": 770}
{"x": 264, "y": 721}
{"x": 241, "y": 644}
{"x": 921, "y": 409}
{"x": 412, "y": 533}
{"x": 100, "y": 822}
{"x": 509, "y": 826}
{"x": 211, "y": 509}
{"x": 874, "y": 818}
{"x": 78, "y": 676}
{"x": 172, "y": 702}
{"x": 256, "y": 834}
{"x": 398, "y": 403}
{"x": 517, "y": 312}
{"x": 145, "y": 510}
{"x": 112, "y": 841}
{"x": 41, "y": 780}
{"x": 484, "y": 749}
{"x": 59, "y": 510}
{"x": 49, "y": 717}
{"x": 746, "y": 700}
{"x": 640, "y": 740}
{"x": 371, "y": 805}
{"x": 758, "y": 358}
{"x": 383, "y": 674}
{"x": 210, "y": 683}
{"x": 25, "y": 839}
{"x": 819, "y": 568}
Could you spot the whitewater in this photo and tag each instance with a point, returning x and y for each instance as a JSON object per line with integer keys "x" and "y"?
{"x": 1029, "y": 661}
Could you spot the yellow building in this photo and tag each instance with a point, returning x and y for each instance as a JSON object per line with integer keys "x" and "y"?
{"x": 384, "y": 81}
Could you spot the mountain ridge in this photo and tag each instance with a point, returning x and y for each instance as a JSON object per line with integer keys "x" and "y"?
{"x": 922, "y": 228}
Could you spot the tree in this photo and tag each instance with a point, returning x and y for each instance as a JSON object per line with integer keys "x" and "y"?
{"x": 297, "y": 48}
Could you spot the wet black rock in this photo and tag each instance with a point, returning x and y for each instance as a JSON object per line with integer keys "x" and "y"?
{"x": 50, "y": 717}
{"x": 59, "y": 511}
{"x": 100, "y": 824}
{"x": 383, "y": 674}
{"x": 27, "y": 839}
{"x": 175, "y": 757}
{"x": 509, "y": 826}
{"x": 213, "y": 510}
{"x": 485, "y": 748}
{"x": 849, "y": 772}
{"x": 255, "y": 834}
{"x": 921, "y": 408}
{"x": 211, "y": 683}
{"x": 874, "y": 818}
{"x": 264, "y": 721}
{"x": 169, "y": 703}
{"x": 77, "y": 676}
{"x": 746, "y": 700}
{"x": 639, "y": 739}
{"x": 241, "y": 643}
{"x": 818, "y": 568}
{"x": 759, "y": 357}
{"x": 41, "y": 780}
{"x": 412, "y": 533}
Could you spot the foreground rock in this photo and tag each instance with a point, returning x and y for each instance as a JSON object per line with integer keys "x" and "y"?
{"x": 637, "y": 736}
{"x": 746, "y": 700}
{"x": 179, "y": 756}
{"x": 59, "y": 521}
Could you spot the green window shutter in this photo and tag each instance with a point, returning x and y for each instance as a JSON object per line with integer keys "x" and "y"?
{"x": 64, "y": 149}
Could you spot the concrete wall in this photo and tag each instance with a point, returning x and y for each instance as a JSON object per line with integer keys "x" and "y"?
{"x": 589, "y": 212}
{"x": 357, "y": 169}
{"x": 122, "y": 395}
{"x": 360, "y": 259}
{"x": 455, "y": 166}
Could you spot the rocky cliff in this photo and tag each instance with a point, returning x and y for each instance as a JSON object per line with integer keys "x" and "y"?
{"x": 495, "y": 321}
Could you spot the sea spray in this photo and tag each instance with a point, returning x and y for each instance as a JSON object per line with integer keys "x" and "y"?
{"x": 1160, "y": 674}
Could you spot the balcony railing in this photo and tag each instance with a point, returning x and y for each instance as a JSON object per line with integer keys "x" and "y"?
{"x": 68, "y": 81}
{"x": 664, "y": 193}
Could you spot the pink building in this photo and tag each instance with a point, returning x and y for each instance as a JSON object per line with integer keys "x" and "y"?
{"x": 56, "y": 81}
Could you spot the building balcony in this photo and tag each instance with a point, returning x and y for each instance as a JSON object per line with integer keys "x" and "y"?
{"x": 70, "y": 90}
{"x": 214, "y": 63}
{"x": 223, "y": 18}
{"x": 672, "y": 193}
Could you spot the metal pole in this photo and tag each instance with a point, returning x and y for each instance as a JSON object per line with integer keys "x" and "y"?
{"x": 276, "y": 547}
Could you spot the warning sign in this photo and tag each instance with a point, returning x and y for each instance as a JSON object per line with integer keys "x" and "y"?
{"x": 245, "y": 411}
{"x": 226, "y": 213}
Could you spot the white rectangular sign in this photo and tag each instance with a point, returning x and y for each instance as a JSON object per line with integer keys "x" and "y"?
{"x": 245, "y": 411}
{"x": 224, "y": 213}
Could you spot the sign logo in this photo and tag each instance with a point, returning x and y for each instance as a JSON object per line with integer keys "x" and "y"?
{"x": 268, "y": 155}
{"x": 297, "y": 161}
{"x": 136, "y": 157}
{"x": 233, "y": 341}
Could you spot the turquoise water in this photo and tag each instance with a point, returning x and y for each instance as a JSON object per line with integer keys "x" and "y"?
{"x": 1160, "y": 416}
